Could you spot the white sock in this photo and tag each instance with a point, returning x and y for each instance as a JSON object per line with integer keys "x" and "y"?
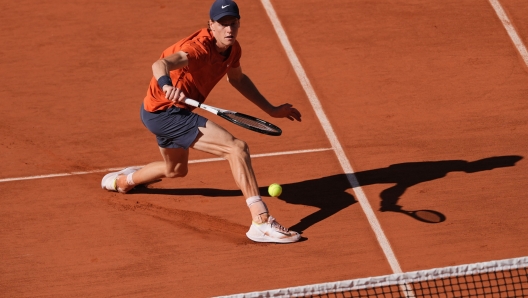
{"x": 130, "y": 181}
{"x": 256, "y": 206}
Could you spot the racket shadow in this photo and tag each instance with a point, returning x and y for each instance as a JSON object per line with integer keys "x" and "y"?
{"x": 426, "y": 216}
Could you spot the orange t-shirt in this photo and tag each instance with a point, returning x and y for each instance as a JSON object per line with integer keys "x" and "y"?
{"x": 205, "y": 69}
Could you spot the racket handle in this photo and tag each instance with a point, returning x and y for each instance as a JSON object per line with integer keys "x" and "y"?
{"x": 192, "y": 102}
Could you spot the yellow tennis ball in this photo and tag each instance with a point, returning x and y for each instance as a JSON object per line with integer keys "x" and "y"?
{"x": 275, "y": 190}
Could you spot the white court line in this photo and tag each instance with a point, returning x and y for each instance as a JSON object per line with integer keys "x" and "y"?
{"x": 336, "y": 146}
{"x": 190, "y": 161}
{"x": 517, "y": 41}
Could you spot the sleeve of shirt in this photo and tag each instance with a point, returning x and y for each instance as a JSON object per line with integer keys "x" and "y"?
{"x": 196, "y": 54}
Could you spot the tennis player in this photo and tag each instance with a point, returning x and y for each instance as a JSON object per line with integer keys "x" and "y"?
{"x": 191, "y": 68}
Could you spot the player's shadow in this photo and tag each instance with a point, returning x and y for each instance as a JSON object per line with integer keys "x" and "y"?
{"x": 406, "y": 175}
{"x": 329, "y": 194}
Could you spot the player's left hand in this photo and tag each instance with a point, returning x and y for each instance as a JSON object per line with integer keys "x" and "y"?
{"x": 286, "y": 111}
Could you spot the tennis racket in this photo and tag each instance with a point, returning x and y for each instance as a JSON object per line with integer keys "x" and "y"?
{"x": 246, "y": 121}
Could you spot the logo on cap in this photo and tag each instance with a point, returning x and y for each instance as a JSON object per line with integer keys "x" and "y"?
{"x": 222, "y": 8}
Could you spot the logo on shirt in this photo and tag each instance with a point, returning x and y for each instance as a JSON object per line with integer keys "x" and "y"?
{"x": 224, "y": 6}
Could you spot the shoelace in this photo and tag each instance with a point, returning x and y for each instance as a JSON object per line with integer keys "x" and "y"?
{"x": 274, "y": 224}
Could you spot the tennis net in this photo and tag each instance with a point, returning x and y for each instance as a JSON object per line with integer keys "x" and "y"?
{"x": 503, "y": 278}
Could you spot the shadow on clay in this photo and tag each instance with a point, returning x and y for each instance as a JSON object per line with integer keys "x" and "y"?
{"x": 329, "y": 194}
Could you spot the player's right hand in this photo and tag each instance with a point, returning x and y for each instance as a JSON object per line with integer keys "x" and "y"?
{"x": 173, "y": 94}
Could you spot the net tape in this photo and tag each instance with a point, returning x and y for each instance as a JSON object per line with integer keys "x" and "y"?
{"x": 407, "y": 284}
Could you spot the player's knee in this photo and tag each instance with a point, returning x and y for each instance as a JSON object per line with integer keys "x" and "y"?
{"x": 240, "y": 147}
{"x": 179, "y": 172}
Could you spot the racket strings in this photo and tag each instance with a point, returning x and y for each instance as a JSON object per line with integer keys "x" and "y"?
{"x": 251, "y": 122}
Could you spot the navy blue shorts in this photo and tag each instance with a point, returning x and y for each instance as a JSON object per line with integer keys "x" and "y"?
{"x": 174, "y": 127}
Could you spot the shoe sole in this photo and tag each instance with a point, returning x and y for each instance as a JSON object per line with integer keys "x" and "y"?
{"x": 267, "y": 239}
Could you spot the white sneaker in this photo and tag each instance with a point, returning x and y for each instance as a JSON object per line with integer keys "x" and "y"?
{"x": 109, "y": 181}
{"x": 271, "y": 231}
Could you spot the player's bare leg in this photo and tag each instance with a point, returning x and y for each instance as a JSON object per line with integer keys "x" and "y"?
{"x": 175, "y": 164}
{"x": 218, "y": 141}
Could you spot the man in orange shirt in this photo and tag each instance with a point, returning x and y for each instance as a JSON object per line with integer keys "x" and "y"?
{"x": 191, "y": 68}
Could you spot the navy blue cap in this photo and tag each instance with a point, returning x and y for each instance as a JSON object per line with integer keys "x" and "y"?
{"x": 222, "y": 8}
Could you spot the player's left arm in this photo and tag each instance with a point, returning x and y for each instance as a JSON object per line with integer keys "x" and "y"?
{"x": 245, "y": 86}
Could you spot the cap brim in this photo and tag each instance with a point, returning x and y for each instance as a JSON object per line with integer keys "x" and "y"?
{"x": 227, "y": 13}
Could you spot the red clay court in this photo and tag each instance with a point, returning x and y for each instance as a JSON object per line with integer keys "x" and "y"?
{"x": 418, "y": 104}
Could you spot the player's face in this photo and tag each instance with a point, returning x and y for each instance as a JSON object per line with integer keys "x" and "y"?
{"x": 225, "y": 31}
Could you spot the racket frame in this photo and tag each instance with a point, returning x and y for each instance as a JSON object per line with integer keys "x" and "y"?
{"x": 223, "y": 113}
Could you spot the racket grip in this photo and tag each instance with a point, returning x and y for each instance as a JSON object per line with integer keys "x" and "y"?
{"x": 192, "y": 102}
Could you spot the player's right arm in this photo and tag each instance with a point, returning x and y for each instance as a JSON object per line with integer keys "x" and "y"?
{"x": 162, "y": 68}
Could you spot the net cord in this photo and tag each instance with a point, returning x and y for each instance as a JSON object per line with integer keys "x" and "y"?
{"x": 388, "y": 280}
